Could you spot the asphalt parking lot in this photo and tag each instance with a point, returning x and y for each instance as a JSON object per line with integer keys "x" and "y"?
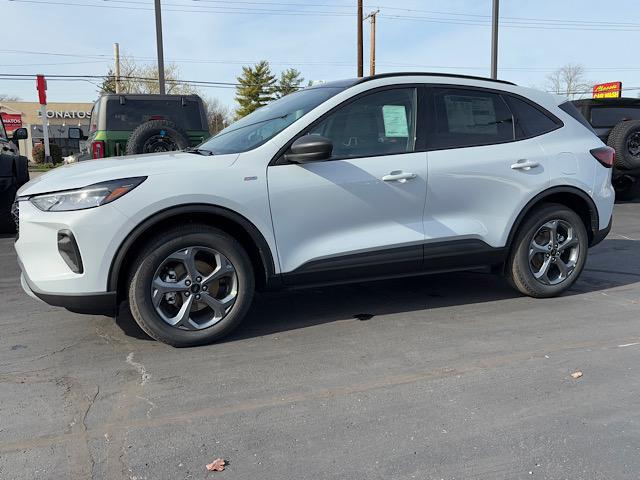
{"x": 441, "y": 377}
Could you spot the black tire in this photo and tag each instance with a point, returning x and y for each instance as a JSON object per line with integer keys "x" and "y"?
{"x": 157, "y": 136}
{"x": 619, "y": 139}
{"x": 153, "y": 255}
{"x": 7, "y": 196}
{"x": 627, "y": 188}
{"x": 519, "y": 272}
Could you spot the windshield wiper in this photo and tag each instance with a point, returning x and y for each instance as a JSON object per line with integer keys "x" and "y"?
{"x": 199, "y": 151}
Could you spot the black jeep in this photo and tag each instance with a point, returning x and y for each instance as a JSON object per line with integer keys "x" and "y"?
{"x": 14, "y": 173}
{"x": 617, "y": 122}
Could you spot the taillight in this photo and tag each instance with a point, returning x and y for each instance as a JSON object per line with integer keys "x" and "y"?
{"x": 605, "y": 155}
{"x": 97, "y": 149}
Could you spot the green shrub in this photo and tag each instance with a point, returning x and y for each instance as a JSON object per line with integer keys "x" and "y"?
{"x": 38, "y": 153}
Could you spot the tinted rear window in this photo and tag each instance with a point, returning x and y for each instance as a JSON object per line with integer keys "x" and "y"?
{"x": 610, "y": 116}
{"x": 530, "y": 120}
{"x": 570, "y": 108}
{"x": 135, "y": 112}
{"x": 465, "y": 118}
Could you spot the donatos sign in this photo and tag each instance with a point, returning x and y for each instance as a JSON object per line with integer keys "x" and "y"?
{"x": 57, "y": 114}
{"x": 607, "y": 90}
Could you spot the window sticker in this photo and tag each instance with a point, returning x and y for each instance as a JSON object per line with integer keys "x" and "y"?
{"x": 395, "y": 121}
{"x": 467, "y": 114}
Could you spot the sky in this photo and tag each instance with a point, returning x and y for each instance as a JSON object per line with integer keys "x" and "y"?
{"x": 211, "y": 39}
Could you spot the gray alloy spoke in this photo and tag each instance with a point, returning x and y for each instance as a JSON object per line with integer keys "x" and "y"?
{"x": 182, "y": 317}
{"x": 537, "y": 248}
{"x": 568, "y": 243}
{"x": 565, "y": 268}
{"x": 224, "y": 268}
{"x": 219, "y": 307}
{"x": 161, "y": 287}
{"x": 542, "y": 273}
{"x": 553, "y": 230}
{"x": 188, "y": 258}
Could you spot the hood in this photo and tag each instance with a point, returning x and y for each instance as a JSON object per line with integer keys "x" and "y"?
{"x": 81, "y": 174}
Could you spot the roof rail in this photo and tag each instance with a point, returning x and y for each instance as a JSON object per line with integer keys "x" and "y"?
{"x": 432, "y": 74}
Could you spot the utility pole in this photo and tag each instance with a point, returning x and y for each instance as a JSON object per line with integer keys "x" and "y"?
{"x": 360, "y": 20}
{"x": 494, "y": 39}
{"x": 372, "y": 59}
{"x": 116, "y": 56}
{"x": 159, "y": 47}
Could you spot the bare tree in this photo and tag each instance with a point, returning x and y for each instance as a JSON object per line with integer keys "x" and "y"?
{"x": 569, "y": 81}
{"x": 9, "y": 98}
{"x": 142, "y": 78}
{"x": 218, "y": 116}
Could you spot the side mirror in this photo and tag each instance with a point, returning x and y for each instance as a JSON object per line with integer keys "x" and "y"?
{"x": 309, "y": 148}
{"x": 75, "y": 133}
{"x": 20, "y": 134}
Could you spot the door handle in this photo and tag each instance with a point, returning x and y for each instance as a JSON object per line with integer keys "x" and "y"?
{"x": 398, "y": 176}
{"x": 524, "y": 164}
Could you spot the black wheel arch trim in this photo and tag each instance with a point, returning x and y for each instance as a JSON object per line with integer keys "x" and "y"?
{"x": 540, "y": 197}
{"x": 266, "y": 256}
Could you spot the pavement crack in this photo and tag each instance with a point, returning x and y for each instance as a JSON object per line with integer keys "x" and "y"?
{"x": 144, "y": 376}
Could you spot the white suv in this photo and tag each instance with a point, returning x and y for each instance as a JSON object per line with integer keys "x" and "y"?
{"x": 391, "y": 175}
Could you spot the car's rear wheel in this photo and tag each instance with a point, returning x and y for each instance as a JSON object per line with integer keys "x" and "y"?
{"x": 549, "y": 252}
{"x": 191, "y": 285}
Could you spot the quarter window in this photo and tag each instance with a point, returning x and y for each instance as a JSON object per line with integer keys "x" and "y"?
{"x": 530, "y": 121}
{"x": 465, "y": 118}
{"x": 381, "y": 123}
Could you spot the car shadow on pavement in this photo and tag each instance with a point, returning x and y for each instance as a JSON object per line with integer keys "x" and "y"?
{"x": 615, "y": 262}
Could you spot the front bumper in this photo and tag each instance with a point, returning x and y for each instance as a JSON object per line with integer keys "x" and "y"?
{"x": 88, "y": 303}
{"x": 46, "y": 274}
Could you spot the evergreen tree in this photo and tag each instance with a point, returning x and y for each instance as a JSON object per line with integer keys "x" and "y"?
{"x": 108, "y": 85}
{"x": 255, "y": 89}
{"x": 290, "y": 81}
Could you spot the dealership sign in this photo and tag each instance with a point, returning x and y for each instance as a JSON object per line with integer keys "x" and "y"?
{"x": 12, "y": 121}
{"x": 69, "y": 115}
{"x": 607, "y": 90}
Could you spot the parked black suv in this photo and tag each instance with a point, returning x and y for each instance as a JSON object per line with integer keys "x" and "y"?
{"x": 617, "y": 122}
{"x": 14, "y": 173}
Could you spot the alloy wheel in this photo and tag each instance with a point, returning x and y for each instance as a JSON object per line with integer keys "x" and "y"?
{"x": 553, "y": 252}
{"x": 194, "y": 288}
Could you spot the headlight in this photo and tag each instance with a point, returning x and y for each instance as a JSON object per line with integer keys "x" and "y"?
{"x": 87, "y": 197}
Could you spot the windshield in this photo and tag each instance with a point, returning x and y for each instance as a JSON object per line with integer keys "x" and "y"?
{"x": 266, "y": 122}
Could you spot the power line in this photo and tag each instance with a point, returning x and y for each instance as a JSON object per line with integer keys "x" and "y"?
{"x": 478, "y": 20}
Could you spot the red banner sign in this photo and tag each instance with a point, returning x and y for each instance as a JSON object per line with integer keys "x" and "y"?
{"x": 41, "y": 86}
{"x": 607, "y": 90}
{"x": 12, "y": 121}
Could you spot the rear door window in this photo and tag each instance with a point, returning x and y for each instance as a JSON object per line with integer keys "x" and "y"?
{"x": 530, "y": 121}
{"x": 611, "y": 116}
{"x": 465, "y": 118}
{"x": 134, "y": 112}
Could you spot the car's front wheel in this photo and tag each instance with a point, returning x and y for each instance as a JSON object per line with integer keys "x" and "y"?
{"x": 549, "y": 252}
{"x": 191, "y": 285}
